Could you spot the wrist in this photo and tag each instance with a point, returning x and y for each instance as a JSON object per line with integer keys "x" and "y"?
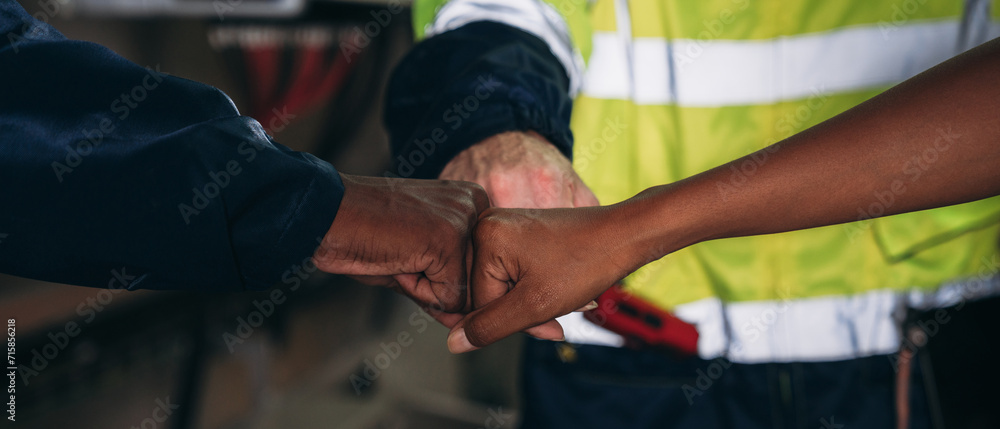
{"x": 360, "y": 201}
{"x": 659, "y": 221}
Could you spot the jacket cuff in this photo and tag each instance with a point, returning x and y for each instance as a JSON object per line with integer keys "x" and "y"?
{"x": 461, "y": 87}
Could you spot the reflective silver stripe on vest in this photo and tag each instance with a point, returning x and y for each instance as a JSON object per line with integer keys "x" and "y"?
{"x": 746, "y": 72}
{"x": 805, "y": 330}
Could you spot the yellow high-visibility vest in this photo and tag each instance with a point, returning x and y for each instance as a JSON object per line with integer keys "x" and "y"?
{"x": 673, "y": 88}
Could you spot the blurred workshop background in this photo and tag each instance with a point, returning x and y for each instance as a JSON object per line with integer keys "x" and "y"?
{"x": 328, "y": 354}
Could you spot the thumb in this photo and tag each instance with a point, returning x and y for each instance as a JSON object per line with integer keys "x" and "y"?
{"x": 503, "y": 317}
{"x": 459, "y": 343}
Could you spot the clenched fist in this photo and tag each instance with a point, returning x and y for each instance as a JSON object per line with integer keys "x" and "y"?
{"x": 521, "y": 170}
{"x": 410, "y": 235}
{"x": 534, "y": 265}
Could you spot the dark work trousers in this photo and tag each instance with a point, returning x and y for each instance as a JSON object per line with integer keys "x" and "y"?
{"x": 585, "y": 386}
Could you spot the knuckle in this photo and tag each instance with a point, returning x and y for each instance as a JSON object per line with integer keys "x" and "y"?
{"x": 550, "y": 179}
{"x": 489, "y": 215}
{"x": 489, "y": 226}
{"x": 479, "y": 198}
{"x": 474, "y": 189}
{"x": 498, "y": 184}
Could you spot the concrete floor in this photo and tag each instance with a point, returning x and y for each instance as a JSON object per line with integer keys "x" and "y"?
{"x": 315, "y": 377}
{"x": 424, "y": 386}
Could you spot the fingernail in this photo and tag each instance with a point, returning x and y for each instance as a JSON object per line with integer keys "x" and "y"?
{"x": 590, "y": 306}
{"x": 458, "y": 343}
{"x": 559, "y": 340}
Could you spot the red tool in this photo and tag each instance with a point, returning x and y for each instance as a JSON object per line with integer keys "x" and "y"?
{"x": 642, "y": 324}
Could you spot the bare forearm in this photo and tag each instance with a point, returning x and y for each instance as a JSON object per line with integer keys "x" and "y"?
{"x": 932, "y": 141}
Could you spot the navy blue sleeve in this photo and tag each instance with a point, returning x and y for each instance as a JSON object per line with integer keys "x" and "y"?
{"x": 116, "y": 175}
{"x": 460, "y": 87}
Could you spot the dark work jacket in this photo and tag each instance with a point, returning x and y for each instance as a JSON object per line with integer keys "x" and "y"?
{"x": 117, "y": 175}
{"x": 462, "y": 86}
